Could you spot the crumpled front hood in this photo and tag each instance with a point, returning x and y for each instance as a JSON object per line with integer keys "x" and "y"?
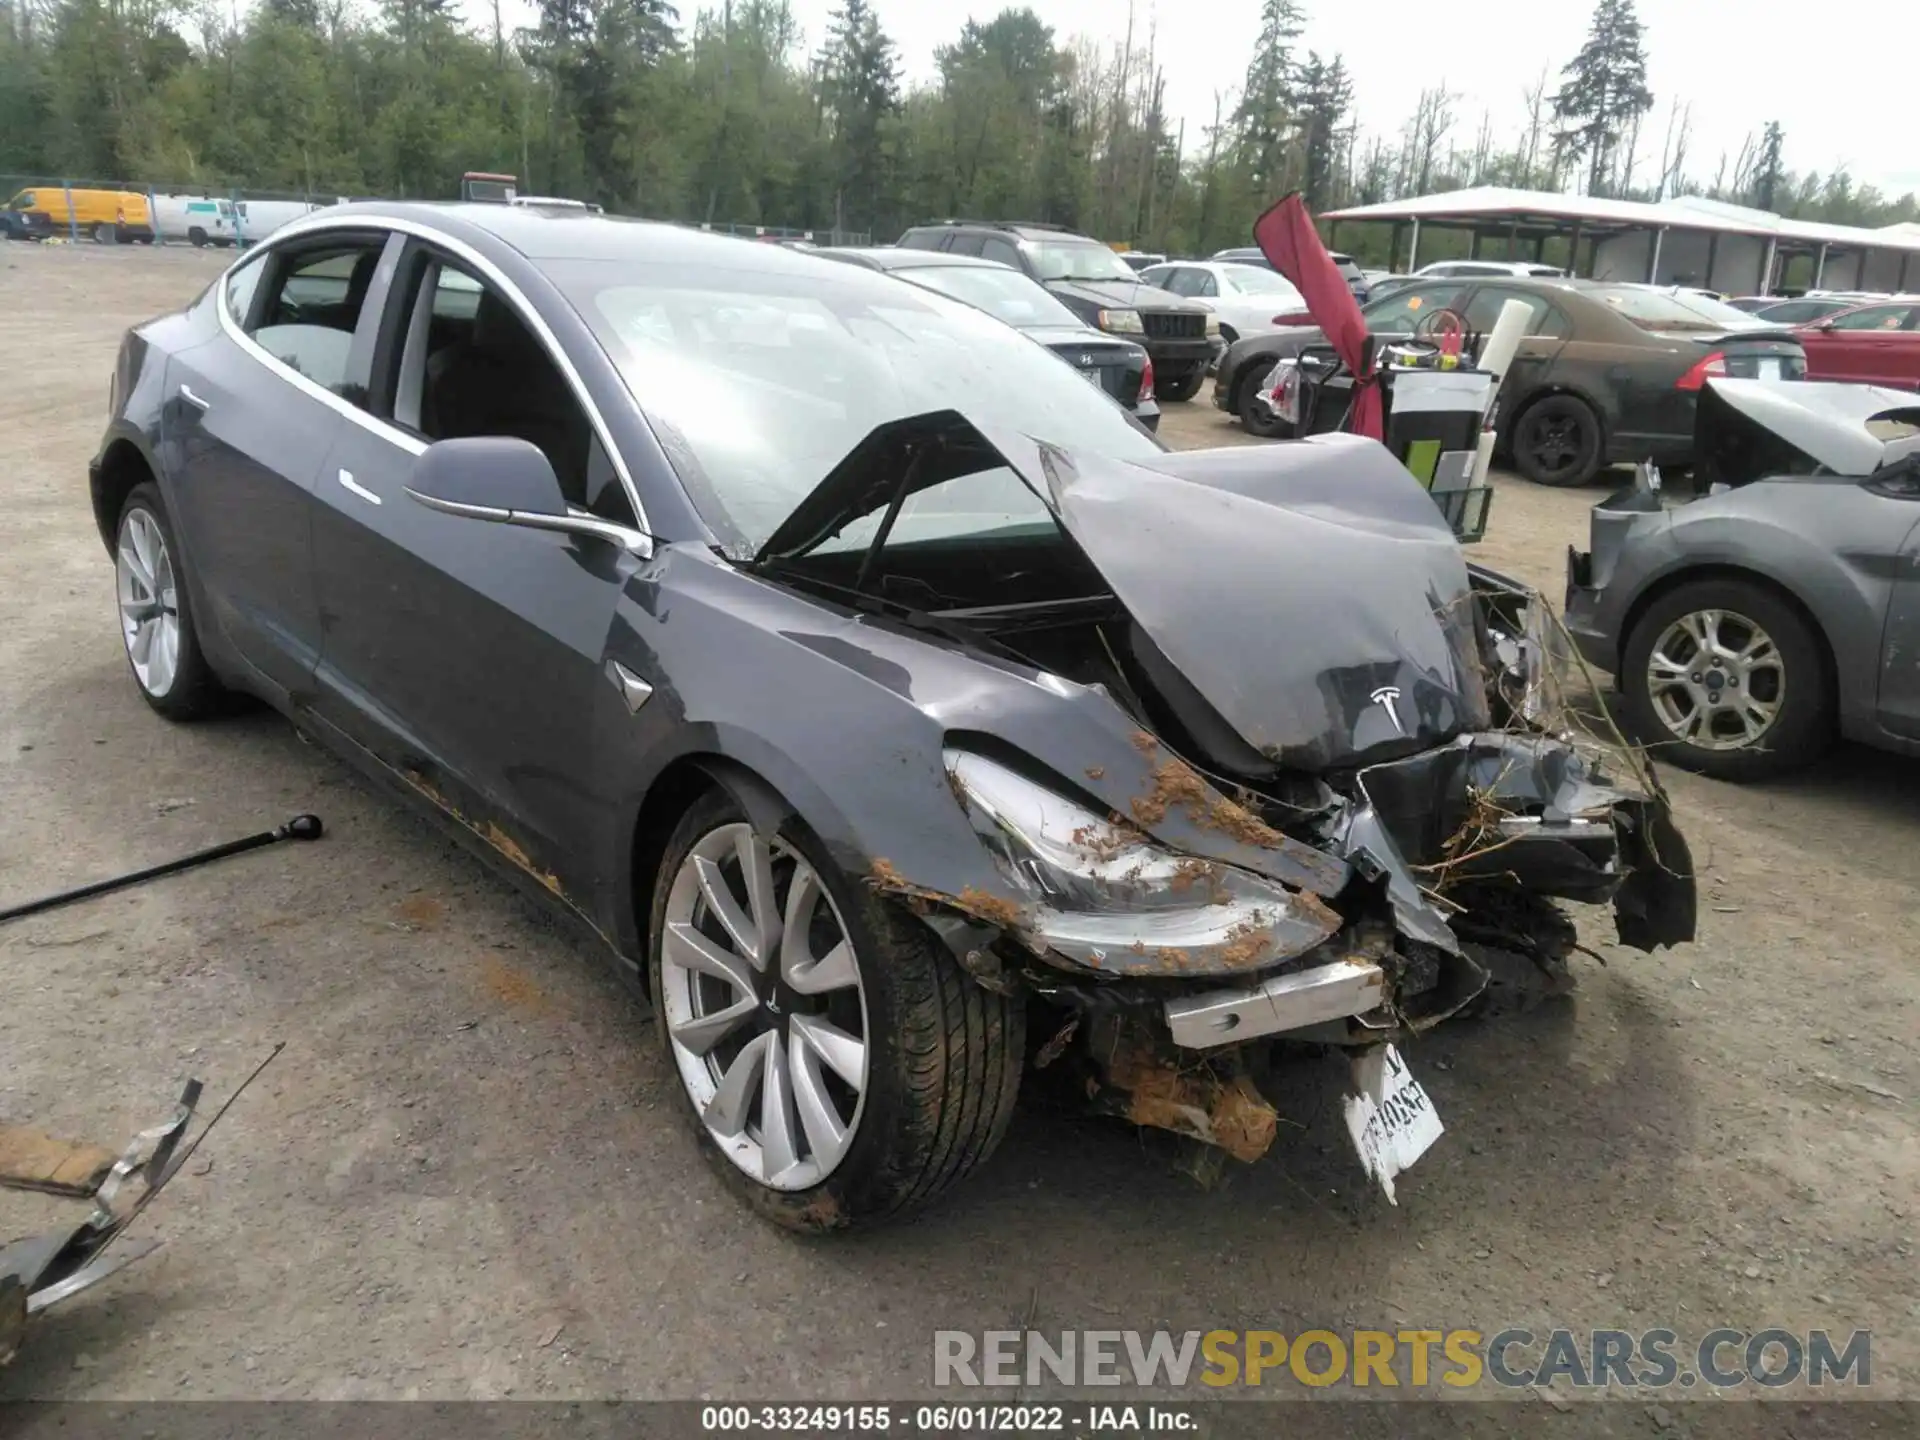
{"x": 1307, "y": 595}
{"x": 1311, "y": 592}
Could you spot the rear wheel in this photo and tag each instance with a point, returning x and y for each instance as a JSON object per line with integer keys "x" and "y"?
{"x": 1726, "y": 678}
{"x": 836, "y": 1064}
{"x": 1184, "y": 385}
{"x": 197, "y": 238}
{"x": 102, "y": 234}
{"x": 1556, "y": 441}
{"x": 156, "y": 612}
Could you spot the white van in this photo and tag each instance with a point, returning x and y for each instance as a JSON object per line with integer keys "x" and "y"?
{"x": 254, "y": 220}
{"x": 199, "y": 219}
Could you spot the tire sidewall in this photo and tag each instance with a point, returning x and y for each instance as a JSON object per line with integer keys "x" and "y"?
{"x": 1805, "y": 722}
{"x": 1583, "y": 469}
{"x": 880, "y": 1164}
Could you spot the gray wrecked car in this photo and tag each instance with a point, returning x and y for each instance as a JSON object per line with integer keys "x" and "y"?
{"x": 720, "y": 595}
{"x": 1242, "y": 752}
{"x": 1779, "y": 608}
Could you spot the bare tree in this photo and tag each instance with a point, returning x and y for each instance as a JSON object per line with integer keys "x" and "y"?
{"x": 1538, "y": 107}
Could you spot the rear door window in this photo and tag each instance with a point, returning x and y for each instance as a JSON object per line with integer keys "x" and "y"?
{"x": 964, "y": 244}
{"x": 1489, "y": 300}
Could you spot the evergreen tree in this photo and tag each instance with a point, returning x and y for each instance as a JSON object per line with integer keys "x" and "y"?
{"x": 1604, "y": 91}
{"x": 860, "y": 90}
{"x": 1267, "y": 99}
{"x": 1326, "y": 94}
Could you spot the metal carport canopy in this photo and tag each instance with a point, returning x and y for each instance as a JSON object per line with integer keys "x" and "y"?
{"x": 1490, "y": 208}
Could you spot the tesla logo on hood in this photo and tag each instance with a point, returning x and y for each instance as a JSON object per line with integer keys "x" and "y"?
{"x": 1385, "y": 697}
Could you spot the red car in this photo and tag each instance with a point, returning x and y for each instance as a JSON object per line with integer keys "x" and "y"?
{"x": 1878, "y": 343}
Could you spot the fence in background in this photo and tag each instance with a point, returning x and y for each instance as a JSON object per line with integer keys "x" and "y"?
{"x": 77, "y": 209}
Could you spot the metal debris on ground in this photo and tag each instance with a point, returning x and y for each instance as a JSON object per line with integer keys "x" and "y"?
{"x": 42, "y": 1270}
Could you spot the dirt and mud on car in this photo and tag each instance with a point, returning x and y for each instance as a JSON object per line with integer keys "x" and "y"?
{"x": 1290, "y": 770}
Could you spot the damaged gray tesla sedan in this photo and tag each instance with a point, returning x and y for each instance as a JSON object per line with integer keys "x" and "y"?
{"x": 900, "y": 713}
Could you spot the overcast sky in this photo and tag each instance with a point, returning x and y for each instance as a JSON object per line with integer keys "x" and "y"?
{"x": 1740, "y": 63}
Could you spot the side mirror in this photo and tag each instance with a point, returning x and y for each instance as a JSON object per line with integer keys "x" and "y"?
{"x": 488, "y": 473}
{"x": 507, "y": 481}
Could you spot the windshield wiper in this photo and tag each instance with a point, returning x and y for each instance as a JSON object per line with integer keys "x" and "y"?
{"x": 876, "y": 604}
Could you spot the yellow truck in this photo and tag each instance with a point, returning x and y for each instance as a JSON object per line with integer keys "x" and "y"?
{"x": 53, "y": 211}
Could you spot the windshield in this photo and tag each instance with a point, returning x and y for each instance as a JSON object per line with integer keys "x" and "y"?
{"x": 22, "y": 201}
{"x": 1658, "y": 310}
{"x": 1005, "y": 294}
{"x": 759, "y": 381}
{"x": 1078, "y": 260}
{"x": 1252, "y": 280}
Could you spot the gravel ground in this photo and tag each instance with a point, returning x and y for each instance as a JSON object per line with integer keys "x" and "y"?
{"x": 463, "y": 1177}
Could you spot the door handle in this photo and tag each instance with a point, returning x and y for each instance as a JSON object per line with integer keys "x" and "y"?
{"x": 186, "y": 394}
{"x": 347, "y": 480}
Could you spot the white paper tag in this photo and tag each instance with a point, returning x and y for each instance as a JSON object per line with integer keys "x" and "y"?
{"x": 1390, "y": 1117}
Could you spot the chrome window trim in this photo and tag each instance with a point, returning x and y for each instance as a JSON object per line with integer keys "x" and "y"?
{"x": 487, "y": 271}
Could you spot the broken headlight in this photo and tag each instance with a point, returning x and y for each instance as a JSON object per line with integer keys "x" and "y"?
{"x": 1101, "y": 893}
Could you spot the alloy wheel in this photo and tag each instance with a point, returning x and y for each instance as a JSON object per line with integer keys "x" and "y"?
{"x": 1716, "y": 680}
{"x": 1554, "y": 441}
{"x": 149, "y": 602}
{"x": 764, "y": 1007}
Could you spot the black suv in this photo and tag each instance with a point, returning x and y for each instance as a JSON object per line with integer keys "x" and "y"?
{"x": 1181, "y": 335}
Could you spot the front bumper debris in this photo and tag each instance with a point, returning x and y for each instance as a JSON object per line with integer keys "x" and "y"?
{"x": 1283, "y": 1002}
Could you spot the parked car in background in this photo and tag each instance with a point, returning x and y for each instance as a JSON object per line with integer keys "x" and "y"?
{"x": 1350, "y": 269}
{"x": 1182, "y": 336}
{"x": 875, "y": 688}
{"x": 1249, "y": 299}
{"x": 1138, "y": 260}
{"x": 1790, "y": 312}
{"x": 106, "y": 217}
{"x": 1875, "y": 344}
{"x": 1607, "y": 372}
{"x": 1466, "y": 269}
{"x": 1746, "y": 628}
{"x": 1119, "y": 367}
{"x": 1381, "y": 284}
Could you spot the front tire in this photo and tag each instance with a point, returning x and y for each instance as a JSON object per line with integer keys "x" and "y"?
{"x": 836, "y": 1065}
{"x": 1556, "y": 441}
{"x": 156, "y": 612}
{"x": 1726, "y": 678}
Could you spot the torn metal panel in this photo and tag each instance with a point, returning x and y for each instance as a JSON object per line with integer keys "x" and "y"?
{"x": 42, "y": 1270}
{"x": 60, "y": 1263}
